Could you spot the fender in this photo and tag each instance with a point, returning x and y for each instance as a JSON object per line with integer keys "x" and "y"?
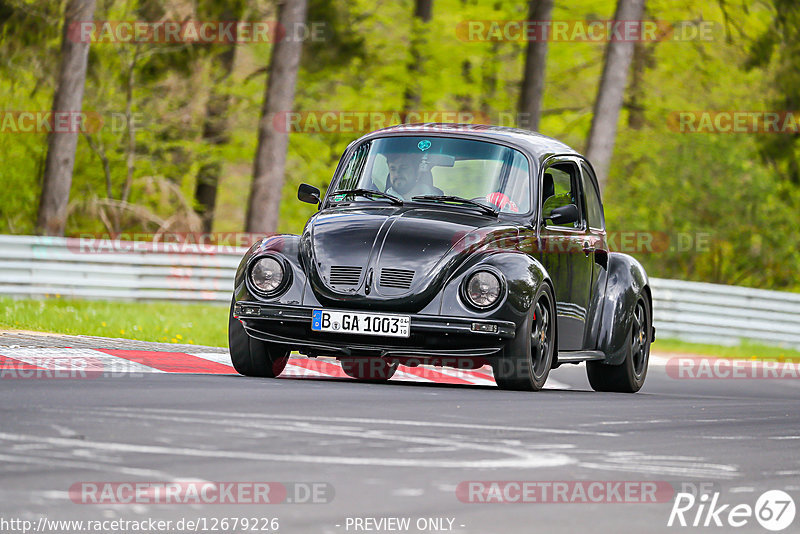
{"x": 626, "y": 279}
{"x": 523, "y": 276}
{"x": 286, "y": 245}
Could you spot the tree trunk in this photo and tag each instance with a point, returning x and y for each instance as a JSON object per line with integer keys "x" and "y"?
{"x": 423, "y": 12}
{"x": 215, "y": 133}
{"x": 270, "y": 160}
{"x": 530, "y": 97}
{"x": 610, "y": 94}
{"x": 488, "y": 91}
{"x": 67, "y": 101}
{"x": 642, "y": 60}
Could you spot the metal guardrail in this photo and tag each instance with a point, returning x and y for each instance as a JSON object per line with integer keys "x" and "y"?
{"x": 40, "y": 266}
{"x": 724, "y": 315}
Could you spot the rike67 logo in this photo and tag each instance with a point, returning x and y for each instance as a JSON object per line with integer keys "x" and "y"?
{"x": 774, "y": 510}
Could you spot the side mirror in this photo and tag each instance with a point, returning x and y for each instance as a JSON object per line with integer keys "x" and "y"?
{"x": 564, "y": 215}
{"x": 308, "y": 193}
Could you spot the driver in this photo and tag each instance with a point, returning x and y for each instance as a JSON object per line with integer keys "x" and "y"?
{"x": 406, "y": 172}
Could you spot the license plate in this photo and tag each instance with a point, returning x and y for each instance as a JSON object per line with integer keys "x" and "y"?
{"x": 375, "y": 324}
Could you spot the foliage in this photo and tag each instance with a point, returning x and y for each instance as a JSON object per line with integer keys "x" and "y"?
{"x": 739, "y": 188}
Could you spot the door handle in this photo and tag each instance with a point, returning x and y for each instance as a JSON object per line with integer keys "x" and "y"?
{"x": 587, "y": 248}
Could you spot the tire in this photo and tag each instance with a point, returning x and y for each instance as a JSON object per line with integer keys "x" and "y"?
{"x": 627, "y": 377}
{"x": 526, "y": 361}
{"x": 253, "y": 357}
{"x": 371, "y": 369}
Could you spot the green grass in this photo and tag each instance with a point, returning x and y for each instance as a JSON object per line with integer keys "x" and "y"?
{"x": 207, "y": 324}
{"x": 167, "y": 322}
{"x": 744, "y": 351}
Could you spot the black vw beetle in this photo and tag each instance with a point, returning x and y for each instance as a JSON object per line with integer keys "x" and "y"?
{"x": 449, "y": 245}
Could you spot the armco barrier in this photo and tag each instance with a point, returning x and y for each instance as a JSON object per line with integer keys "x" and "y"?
{"x": 37, "y": 266}
{"x": 723, "y": 315}
{"x": 40, "y": 266}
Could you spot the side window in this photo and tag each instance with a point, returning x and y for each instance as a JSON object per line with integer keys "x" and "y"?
{"x": 559, "y": 188}
{"x": 355, "y": 168}
{"x": 594, "y": 207}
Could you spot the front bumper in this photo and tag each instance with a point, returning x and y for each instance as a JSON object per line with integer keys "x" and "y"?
{"x": 431, "y": 336}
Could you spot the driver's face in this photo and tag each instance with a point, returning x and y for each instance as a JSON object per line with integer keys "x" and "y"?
{"x": 404, "y": 173}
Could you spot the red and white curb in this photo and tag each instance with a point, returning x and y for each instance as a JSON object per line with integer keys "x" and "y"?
{"x": 54, "y": 363}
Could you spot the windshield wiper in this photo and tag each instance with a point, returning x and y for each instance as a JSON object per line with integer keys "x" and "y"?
{"x": 489, "y": 210}
{"x": 370, "y": 193}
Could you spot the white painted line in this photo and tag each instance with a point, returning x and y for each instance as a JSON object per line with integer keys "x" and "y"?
{"x": 94, "y": 465}
{"x": 657, "y": 360}
{"x": 216, "y": 357}
{"x": 472, "y": 377}
{"x": 555, "y": 384}
{"x": 370, "y": 421}
{"x": 299, "y": 371}
{"x": 402, "y": 376}
{"x": 68, "y": 359}
{"x": 516, "y": 459}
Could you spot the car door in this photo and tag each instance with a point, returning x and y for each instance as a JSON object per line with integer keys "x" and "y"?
{"x": 596, "y": 239}
{"x": 566, "y": 249}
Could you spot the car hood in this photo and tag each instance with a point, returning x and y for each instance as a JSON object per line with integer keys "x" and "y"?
{"x": 391, "y": 257}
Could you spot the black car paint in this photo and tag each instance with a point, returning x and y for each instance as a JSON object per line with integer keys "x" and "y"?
{"x": 625, "y": 280}
{"x": 596, "y": 291}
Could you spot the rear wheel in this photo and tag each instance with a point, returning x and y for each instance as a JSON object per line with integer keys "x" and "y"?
{"x": 526, "y": 361}
{"x": 627, "y": 377}
{"x": 253, "y": 357}
{"x": 374, "y": 369}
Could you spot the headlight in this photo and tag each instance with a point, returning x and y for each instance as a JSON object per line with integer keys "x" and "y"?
{"x": 267, "y": 275}
{"x": 483, "y": 289}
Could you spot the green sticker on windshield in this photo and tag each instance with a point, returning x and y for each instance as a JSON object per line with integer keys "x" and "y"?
{"x": 424, "y": 145}
{"x": 338, "y": 198}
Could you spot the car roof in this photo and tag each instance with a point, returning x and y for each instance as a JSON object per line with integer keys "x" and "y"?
{"x": 537, "y": 145}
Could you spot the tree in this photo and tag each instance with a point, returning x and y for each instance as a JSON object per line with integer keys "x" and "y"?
{"x": 270, "y": 159}
{"x": 67, "y": 101}
{"x": 215, "y": 125}
{"x": 775, "y": 51}
{"x": 530, "y": 97}
{"x": 610, "y": 94}
{"x": 423, "y": 13}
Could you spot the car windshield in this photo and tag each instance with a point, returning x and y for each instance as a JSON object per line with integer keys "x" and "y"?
{"x": 408, "y": 167}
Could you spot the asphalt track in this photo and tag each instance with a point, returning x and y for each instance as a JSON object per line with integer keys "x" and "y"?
{"x": 395, "y": 450}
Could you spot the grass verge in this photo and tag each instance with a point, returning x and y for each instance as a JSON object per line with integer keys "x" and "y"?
{"x": 207, "y": 324}
{"x": 743, "y": 351}
{"x": 166, "y": 322}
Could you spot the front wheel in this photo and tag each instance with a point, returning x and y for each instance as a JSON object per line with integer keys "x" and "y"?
{"x": 253, "y": 357}
{"x": 627, "y": 377}
{"x": 527, "y": 359}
